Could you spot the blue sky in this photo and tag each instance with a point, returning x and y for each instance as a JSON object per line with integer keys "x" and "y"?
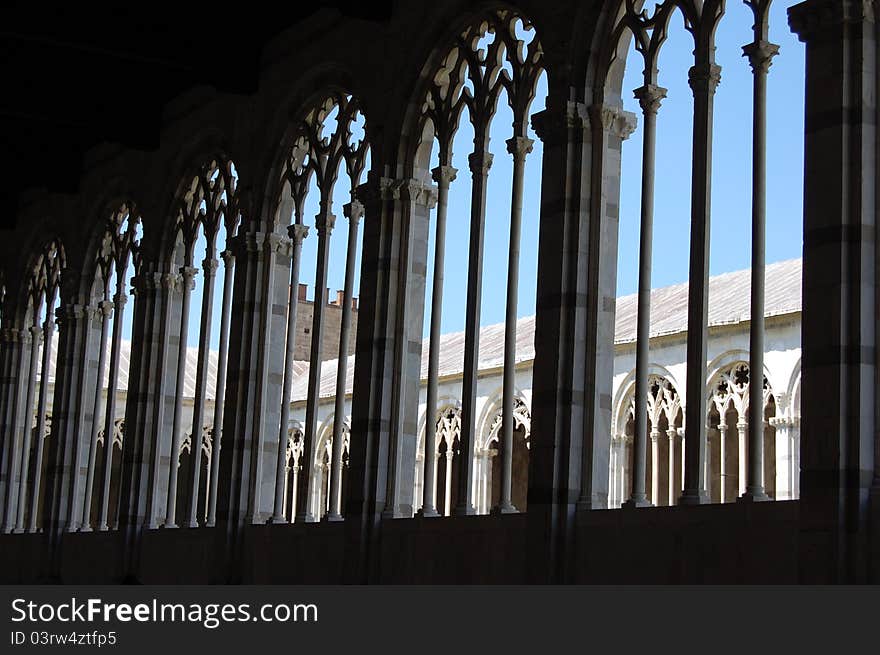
{"x": 731, "y": 191}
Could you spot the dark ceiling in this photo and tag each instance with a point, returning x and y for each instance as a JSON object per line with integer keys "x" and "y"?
{"x": 77, "y": 74}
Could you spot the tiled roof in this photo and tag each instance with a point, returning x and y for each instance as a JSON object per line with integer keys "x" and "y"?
{"x": 729, "y": 302}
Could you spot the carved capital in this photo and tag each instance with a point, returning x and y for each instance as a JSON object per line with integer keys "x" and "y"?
{"x": 105, "y": 308}
{"x": 353, "y": 211}
{"x": 24, "y": 335}
{"x": 817, "y": 18}
{"x": 650, "y": 97}
{"x": 519, "y": 146}
{"x": 704, "y": 78}
{"x": 35, "y": 333}
{"x": 297, "y": 232}
{"x": 324, "y": 223}
{"x": 210, "y": 265}
{"x": 228, "y": 257}
{"x": 443, "y": 175}
{"x": 554, "y": 124}
{"x": 119, "y": 300}
{"x": 480, "y": 162}
{"x": 188, "y": 274}
{"x": 760, "y": 54}
{"x": 417, "y": 192}
{"x": 614, "y": 120}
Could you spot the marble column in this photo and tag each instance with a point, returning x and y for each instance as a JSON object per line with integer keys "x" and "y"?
{"x": 649, "y": 96}
{"x": 119, "y": 301}
{"x": 209, "y": 269}
{"x": 480, "y": 162}
{"x": 324, "y": 223}
{"x": 760, "y": 53}
{"x": 297, "y": 233}
{"x": 443, "y": 176}
{"x": 220, "y": 387}
{"x": 353, "y": 211}
{"x": 187, "y": 274}
{"x": 104, "y": 311}
{"x": 742, "y": 429}
{"x": 704, "y": 78}
{"x": 36, "y": 334}
{"x": 518, "y": 147}
{"x": 41, "y": 436}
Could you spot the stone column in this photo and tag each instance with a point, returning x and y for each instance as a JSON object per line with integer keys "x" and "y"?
{"x": 105, "y": 309}
{"x": 760, "y": 53}
{"x": 353, "y": 211}
{"x": 11, "y": 353}
{"x": 35, "y": 335}
{"x": 722, "y": 449}
{"x": 784, "y": 456}
{"x": 674, "y": 489}
{"x": 209, "y": 268}
{"x": 574, "y": 326}
{"x": 704, "y": 78}
{"x": 480, "y": 162}
{"x": 48, "y": 331}
{"x": 297, "y": 233}
{"x": 119, "y": 301}
{"x": 840, "y": 487}
{"x": 742, "y": 428}
{"x": 655, "y": 467}
{"x": 188, "y": 274}
{"x": 416, "y": 199}
{"x": 220, "y": 388}
{"x": 649, "y": 96}
{"x": 519, "y": 147}
{"x": 324, "y": 223}
{"x": 443, "y": 175}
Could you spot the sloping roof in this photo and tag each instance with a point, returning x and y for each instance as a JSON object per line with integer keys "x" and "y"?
{"x": 729, "y": 303}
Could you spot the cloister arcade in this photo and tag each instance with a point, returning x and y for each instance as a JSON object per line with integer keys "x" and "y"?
{"x": 184, "y": 440}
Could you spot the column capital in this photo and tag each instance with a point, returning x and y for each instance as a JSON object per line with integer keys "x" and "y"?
{"x": 24, "y": 335}
{"x": 353, "y": 211}
{"x": 443, "y": 175}
{"x": 650, "y": 97}
{"x": 228, "y": 257}
{"x": 324, "y": 223}
{"x": 760, "y": 54}
{"x": 297, "y": 232}
{"x": 119, "y": 299}
{"x": 519, "y": 146}
{"x": 274, "y": 242}
{"x": 816, "y": 18}
{"x": 704, "y": 78}
{"x": 480, "y": 161}
{"x": 36, "y": 332}
{"x": 614, "y": 120}
{"x": 105, "y": 308}
{"x": 210, "y": 265}
{"x": 187, "y": 277}
{"x": 552, "y": 125}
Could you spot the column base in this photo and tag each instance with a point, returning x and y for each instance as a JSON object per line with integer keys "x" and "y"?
{"x": 103, "y": 528}
{"x": 501, "y": 510}
{"x": 305, "y": 518}
{"x": 427, "y": 514}
{"x": 467, "y": 510}
{"x": 634, "y": 503}
{"x": 168, "y": 526}
{"x": 275, "y": 520}
{"x": 753, "y": 497}
{"x": 694, "y": 498}
{"x": 332, "y": 517}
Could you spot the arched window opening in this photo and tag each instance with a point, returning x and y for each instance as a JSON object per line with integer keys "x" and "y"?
{"x": 498, "y": 55}
{"x": 491, "y": 458}
{"x": 727, "y": 428}
{"x": 116, "y": 263}
{"x": 446, "y": 453}
{"x": 689, "y": 42}
{"x": 43, "y": 295}
{"x": 328, "y": 145}
{"x": 207, "y": 217}
{"x": 663, "y": 422}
